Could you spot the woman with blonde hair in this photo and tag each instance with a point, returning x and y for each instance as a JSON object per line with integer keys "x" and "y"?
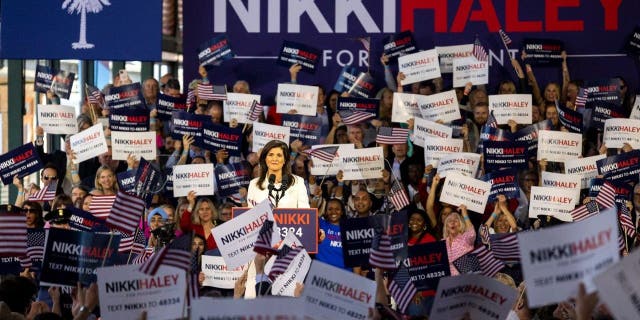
{"x": 105, "y": 182}
{"x": 203, "y": 221}
{"x": 459, "y": 234}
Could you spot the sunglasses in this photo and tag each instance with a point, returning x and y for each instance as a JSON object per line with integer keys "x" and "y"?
{"x": 49, "y": 177}
{"x": 29, "y": 210}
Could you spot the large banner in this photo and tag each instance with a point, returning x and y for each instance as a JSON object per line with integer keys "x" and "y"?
{"x": 20, "y": 161}
{"x": 555, "y": 260}
{"x": 55, "y": 119}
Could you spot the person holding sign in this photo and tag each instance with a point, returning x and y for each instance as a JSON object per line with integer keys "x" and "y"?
{"x": 105, "y": 182}
{"x": 501, "y": 218}
{"x": 276, "y": 182}
{"x": 203, "y": 222}
{"x": 459, "y": 234}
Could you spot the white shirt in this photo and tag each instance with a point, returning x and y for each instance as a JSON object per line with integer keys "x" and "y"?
{"x": 295, "y": 196}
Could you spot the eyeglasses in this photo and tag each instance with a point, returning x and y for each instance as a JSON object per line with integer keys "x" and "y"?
{"x": 29, "y": 210}
{"x": 49, "y": 177}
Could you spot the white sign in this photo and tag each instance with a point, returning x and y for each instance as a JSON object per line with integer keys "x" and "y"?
{"x": 436, "y": 148}
{"x": 261, "y": 308}
{"x": 89, "y": 143}
{"x": 635, "y": 111}
{"x": 483, "y": 298}
{"x": 550, "y": 201}
{"x": 126, "y": 292}
{"x": 419, "y": 66}
{"x": 558, "y": 145}
{"x": 516, "y": 107}
{"x": 140, "y": 144}
{"x": 465, "y": 163}
{"x": 556, "y": 259}
{"x": 56, "y": 119}
{"x": 459, "y": 189}
{"x": 302, "y": 99}
{"x": 366, "y": 163}
{"x": 236, "y": 237}
{"x": 470, "y": 70}
{"x": 193, "y": 177}
{"x": 238, "y": 106}
{"x": 263, "y": 133}
{"x": 617, "y": 131}
{"x": 563, "y": 181}
{"x": 585, "y": 168}
{"x": 285, "y": 284}
{"x": 216, "y": 273}
{"x": 321, "y": 168}
{"x": 333, "y": 293}
{"x": 424, "y": 128}
{"x": 448, "y": 53}
{"x": 440, "y": 106}
{"x": 619, "y": 287}
{"x": 406, "y": 106}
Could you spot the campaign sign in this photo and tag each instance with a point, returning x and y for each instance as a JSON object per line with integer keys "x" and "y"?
{"x": 570, "y": 119}
{"x": 516, "y": 107}
{"x": 558, "y": 145}
{"x": 85, "y": 221}
{"x": 635, "y": 111}
{"x": 359, "y": 104}
{"x": 238, "y": 106}
{"x": 215, "y": 51}
{"x": 295, "y": 97}
{"x": 419, "y": 66}
{"x": 10, "y": 265}
{"x": 62, "y": 83}
{"x": 125, "y": 292}
{"x": 185, "y": 123}
{"x": 44, "y": 77}
{"x": 474, "y": 296}
{"x": 504, "y": 154}
{"x": 623, "y": 167}
{"x": 365, "y": 163}
{"x": 619, "y": 287}
{"x": 530, "y": 134}
{"x": 357, "y": 236}
{"x": 129, "y": 120}
{"x": 139, "y": 144}
{"x": 168, "y": 185}
{"x": 440, "y": 106}
{"x": 231, "y": 177}
{"x": 168, "y": 104}
{"x": 285, "y": 283}
{"x": 555, "y": 260}
{"x": 502, "y": 182}
{"x": 323, "y": 168}
{"x": 617, "y": 132}
{"x": 397, "y": 227}
{"x": 601, "y": 113}
{"x": 56, "y": 119}
{"x": 436, "y": 148}
{"x": 543, "y": 51}
{"x": 265, "y": 307}
{"x": 217, "y": 275}
{"x": 427, "y": 263}
{"x": 263, "y": 133}
{"x": 448, "y": 53}
{"x": 551, "y": 201}
{"x": 406, "y": 106}
{"x": 459, "y": 189}
{"x": 333, "y": 293}
{"x": 563, "y": 181}
{"x": 307, "y": 129}
{"x": 465, "y": 163}
{"x": 633, "y": 42}
{"x": 470, "y": 70}
{"x": 301, "y": 222}
{"x": 356, "y": 83}
{"x": 216, "y": 137}
{"x": 127, "y": 180}
{"x": 148, "y": 181}
{"x": 20, "y": 161}
{"x": 88, "y": 143}
{"x": 125, "y": 96}
{"x": 398, "y": 45}
{"x": 193, "y": 177}
{"x": 298, "y": 53}
{"x": 71, "y": 256}
{"x": 237, "y": 237}
{"x": 424, "y": 128}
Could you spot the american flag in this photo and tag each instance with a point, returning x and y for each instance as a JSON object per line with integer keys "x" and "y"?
{"x": 94, "y": 96}
{"x": 505, "y": 247}
{"x": 210, "y": 92}
{"x": 135, "y": 243}
{"x": 125, "y": 213}
{"x": 255, "y": 111}
{"x": 483, "y": 231}
{"x": 13, "y": 235}
{"x": 100, "y": 206}
{"x": 491, "y": 121}
{"x": 402, "y": 289}
{"x": 326, "y": 154}
{"x": 143, "y": 256}
{"x": 35, "y": 245}
{"x": 505, "y": 38}
{"x": 585, "y": 211}
{"x": 388, "y": 135}
{"x": 626, "y": 223}
{"x": 622, "y": 245}
{"x": 468, "y": 263}
{"x": 581, "y": 98}
{"x": 263, "y": 243}
{"x": 283, "y": 260}
{"x": 175, "y": 254}
{"x": 489, "y": 265}
{"x": 381, "y": 255}
{"x": 25, "y": 262}
{"x": 355, "y": 117}
{"x": 194, "y": 287}
{"x": 191, "y": 99}
{"x": 398, "y": 196}
{"x": 606, "y": 197}
{"x": 47, "y": 193}
{"x": 478, "y": 51}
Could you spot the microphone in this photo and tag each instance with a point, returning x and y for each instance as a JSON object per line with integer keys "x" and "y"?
{"x": 285, "y": 183}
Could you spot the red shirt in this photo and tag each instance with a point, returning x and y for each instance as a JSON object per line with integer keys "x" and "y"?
{"x": 186, "y": 225}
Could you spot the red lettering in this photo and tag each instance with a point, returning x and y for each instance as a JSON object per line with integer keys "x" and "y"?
{"x": 408, "y": 7}
{"x": 552, "y": 19}
{"x": 512, "y": 21}
{"x": 486, "y": 14}
{"x": 610, "y": 13}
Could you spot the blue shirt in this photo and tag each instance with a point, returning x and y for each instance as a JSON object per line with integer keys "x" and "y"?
{"x": 330, "y": 249}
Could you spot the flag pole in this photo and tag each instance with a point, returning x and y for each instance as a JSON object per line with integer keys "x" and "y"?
{"x": 106, "y": 253}
{"x": 135, "y": 233}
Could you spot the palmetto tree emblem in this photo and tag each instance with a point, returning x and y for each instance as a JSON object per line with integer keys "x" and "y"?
{"x": 82, "y": 7}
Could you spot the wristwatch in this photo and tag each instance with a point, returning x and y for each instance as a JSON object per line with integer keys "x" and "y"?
{"x": 84, "y": 309}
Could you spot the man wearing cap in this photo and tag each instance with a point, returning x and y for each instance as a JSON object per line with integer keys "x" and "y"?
{"x": 58, "y": 218}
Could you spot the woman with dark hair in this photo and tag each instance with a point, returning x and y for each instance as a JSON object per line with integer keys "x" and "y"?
{"x": 330, "y": 246}
{"x": 33, "y": 210}
{"x": 276, "y": 182}
{"x": 419, "y": 233}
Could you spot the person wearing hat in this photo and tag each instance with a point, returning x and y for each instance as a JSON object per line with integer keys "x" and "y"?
{"x": 156, "y": 219}
{"x": 58, "y": 218}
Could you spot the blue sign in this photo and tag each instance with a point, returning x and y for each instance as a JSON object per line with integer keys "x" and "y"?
{"x": 214, "y": 51}
{"x": 428, "y": 263}
{"x": 44, "y": 77}
{"x": 623, "y": 167}
{"x": 81, "y": 29}
{"x": 503, "y": 182}
{"x": 149, "y": 180}
{"x": 530, "y": 134}
{"x": 357, "y": 83}
{"x": 504, "y": 154}
{"x": 357, "y": 237}
{"x": 216, "y": 137}
{"x": 190, "y": 124}
{"x": 10, "y": 265}
{"x": 543, "y": 51}
{"x": 168, "y": 104}
{"x": 126, "y": 96}
{"x": 399, "y": 45}
{"x": 293, "y": 52}
{"x": 127, "y": 180}
{"x": 85, "y": 221}
{"x": 231, "y": 177}
{"x": 570, "y": 119}
{"x": 129, "y": 120}
{"x": 62, "y": 83}
{"x": 21, "y": 161}
{"x": 306, "y": 128}
{"x": 359, "y": 104}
